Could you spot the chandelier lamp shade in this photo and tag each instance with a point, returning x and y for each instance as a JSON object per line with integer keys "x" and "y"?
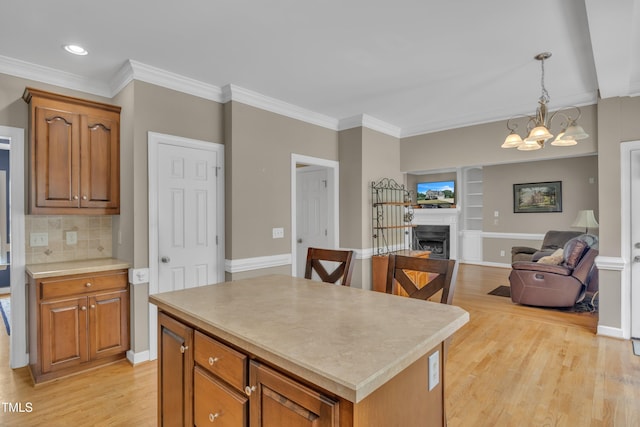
{"x": 538, "y": 126}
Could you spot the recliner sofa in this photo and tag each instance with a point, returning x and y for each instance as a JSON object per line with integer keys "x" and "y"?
{"x": 553, "y": 239}
{"x": 562, "y": 285}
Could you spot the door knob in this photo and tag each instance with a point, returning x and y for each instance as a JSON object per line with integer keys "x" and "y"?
{"x": 636, "y": 258}
{"x": 637, "y": 245}
{"x": 165, "y": 259}
{"x": 299, "y": 240}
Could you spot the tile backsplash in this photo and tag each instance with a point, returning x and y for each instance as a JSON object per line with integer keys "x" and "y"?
{"x": 93, "y": 234}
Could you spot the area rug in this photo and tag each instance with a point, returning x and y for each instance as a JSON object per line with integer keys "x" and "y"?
{"x": 588, "y": 305}
{"x": 5, "y": 309}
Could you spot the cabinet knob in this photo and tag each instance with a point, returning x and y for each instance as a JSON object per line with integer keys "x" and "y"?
{"x": 75, "y": 197}
{"x": 93, "y": 306}
{"x": 212, "y": 417}
{"x": 249, "y": 389}
{"x": 184, "y": 348}
{"x": 84, "y": 197}
{"x": 88, "y": 284}
{"x": 83, "y": 308}
{"x": 213, "y": 360}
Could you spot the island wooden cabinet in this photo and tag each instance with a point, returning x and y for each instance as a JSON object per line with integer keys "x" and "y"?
{"x": 202, "y": 380}
{"x": 175, "y": 372}
{"x": 74, "y": 152}
{"x": 277, "y": 400}
{"x": 77, "y": 322}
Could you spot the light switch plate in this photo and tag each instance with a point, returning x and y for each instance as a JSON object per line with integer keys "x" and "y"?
{"x": 278, "y": 233}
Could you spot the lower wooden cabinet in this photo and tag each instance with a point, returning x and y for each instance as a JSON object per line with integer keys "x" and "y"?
{"x": 77, "y": 322}
{"x": 202, "y": 381}
{"x": 281, "y": 401}
{"x": 175, "y": 372}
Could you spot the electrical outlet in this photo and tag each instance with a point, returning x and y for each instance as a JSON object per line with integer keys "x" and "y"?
{"x": 501, "y": 253}
{"x": 278, "y": 233}
{"x": 39, "y": 239}
{"x": 434, "y": 370}
{"x": 72, "y": 237}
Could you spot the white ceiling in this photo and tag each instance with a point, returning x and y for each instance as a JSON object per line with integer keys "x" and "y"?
{"x": 415, "y": 65}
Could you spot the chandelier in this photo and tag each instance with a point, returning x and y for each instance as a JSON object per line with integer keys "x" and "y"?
{"x": 538, "y": 125}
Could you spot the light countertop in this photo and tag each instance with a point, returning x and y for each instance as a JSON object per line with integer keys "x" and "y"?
{"x": 346, "y": 340}
{"x": 53, "y": 269}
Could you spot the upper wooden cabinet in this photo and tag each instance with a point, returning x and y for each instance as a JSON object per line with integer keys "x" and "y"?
{"x": 74, "y": 154}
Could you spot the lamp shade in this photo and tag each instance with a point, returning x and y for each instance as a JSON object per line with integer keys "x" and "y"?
{"x": 560, "y": 141}
{"x": 539, "y": 133}
{"x": 529, "y": 146}
{"x": 574, "y": 132}
{"x": 512, "y": 140}
{"x": 585, "y": 219}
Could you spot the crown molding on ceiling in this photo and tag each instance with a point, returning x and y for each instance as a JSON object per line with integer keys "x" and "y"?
{"x": 372, "y": 123}
{"x": 236, "y": 93}
{"x": 38, "y": 73}
{"x": 134, "y": 70}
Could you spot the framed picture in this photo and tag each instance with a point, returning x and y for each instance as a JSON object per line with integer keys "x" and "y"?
{"x": 537, "y": 197}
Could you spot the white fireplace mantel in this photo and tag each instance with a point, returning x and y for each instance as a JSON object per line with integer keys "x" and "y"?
{"x": 441, "y": 217}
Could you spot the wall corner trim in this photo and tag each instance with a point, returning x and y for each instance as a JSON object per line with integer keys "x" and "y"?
{"x": 610, "y": 263}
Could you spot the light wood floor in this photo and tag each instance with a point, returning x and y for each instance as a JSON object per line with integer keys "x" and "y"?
{"x": 509, "y": 366}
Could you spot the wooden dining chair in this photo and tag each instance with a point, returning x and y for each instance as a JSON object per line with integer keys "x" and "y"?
{"x": 441, "y": 276}
{"x": 343, "y": 271}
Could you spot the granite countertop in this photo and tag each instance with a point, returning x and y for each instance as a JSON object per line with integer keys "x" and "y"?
{"x": 346, "y": 340}
{"x": 52, "y": 269}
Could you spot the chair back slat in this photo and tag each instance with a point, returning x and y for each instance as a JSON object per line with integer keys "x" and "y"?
{"x": 343, "y": 271}
{"x": 441, "y": 277}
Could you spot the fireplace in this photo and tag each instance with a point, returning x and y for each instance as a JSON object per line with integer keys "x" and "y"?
{"x": 434, "y": 238}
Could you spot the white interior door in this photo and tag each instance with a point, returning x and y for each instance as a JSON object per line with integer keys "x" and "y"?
{"x": 312, "y": 212}
{"x": 635, "y": 243}
{"x": 186, "y": 246}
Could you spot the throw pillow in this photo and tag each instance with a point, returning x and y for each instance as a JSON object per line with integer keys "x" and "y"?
{"x": 554, "y": 259}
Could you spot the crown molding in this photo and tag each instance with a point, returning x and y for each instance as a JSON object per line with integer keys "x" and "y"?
{"x": 134, "y": 70}
{"x": 38, "y": 73}
{"x": 232, "y": 92}
{"x": 369, "y": 122}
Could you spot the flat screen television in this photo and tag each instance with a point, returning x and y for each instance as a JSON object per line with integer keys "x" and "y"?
{"x": 436, "y": 194}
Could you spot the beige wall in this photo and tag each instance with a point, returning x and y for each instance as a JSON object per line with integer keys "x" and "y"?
{"x": 258, "y": 176}
{"x": 366, "y": 156}
{"x": 579, "y": 177}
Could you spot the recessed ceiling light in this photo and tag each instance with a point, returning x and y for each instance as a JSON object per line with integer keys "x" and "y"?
{"x": 75, "y": 49}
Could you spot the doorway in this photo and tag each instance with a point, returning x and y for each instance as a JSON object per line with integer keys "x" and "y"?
{"x": 314, "y": 207}
{"x": 186, "y": 217}
{"x": 18, "y": 355}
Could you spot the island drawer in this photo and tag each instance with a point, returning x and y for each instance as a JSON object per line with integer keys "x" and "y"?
{"x": 75, "y": 285}
{"x": 221, "y": 360}
{"x": 214, "y": 402}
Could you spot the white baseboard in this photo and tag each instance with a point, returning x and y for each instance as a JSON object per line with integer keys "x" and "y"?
{"x": 135, "y": 358}
{"x": 608, "y": 331}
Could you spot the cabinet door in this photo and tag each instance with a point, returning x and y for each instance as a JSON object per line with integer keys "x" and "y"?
{"x": 217, "y": 403}
{"x": 56, "y": 155}
{"x": 280, "y": 401}
{"x": 64, "y": 334}
{"x": 175, "y": 372}
{"x": 108, "y": 324}
{"x": 100, "y": 161}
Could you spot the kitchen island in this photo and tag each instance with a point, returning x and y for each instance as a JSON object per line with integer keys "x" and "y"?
{"x": 278, "y": 350}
